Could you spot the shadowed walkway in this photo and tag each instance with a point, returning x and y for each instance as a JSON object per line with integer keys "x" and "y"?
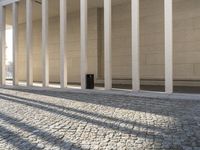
{"x": 64, "y": 120}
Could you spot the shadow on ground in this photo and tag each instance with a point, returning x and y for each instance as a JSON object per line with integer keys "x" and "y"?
{"x": 186, "y": 115}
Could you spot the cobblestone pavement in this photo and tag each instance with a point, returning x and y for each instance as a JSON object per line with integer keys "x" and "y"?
{"x": 63, "y": 120}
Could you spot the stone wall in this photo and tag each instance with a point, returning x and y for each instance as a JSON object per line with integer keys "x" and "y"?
{"x": 186, "y": 42}
{"x": 73, "y": 48}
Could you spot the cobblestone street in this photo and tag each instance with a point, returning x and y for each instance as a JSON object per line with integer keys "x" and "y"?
{"x": 65, "y": 120}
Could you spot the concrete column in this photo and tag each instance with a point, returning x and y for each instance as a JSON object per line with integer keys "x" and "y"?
{"x": 135, "y": 46}
{"x": 29, "y": 40}
{"x": 15, "y": 41}
{"x": 168, "y": 46}
{"x": 45, "y": 54}
{"x": 2, "y": 45}
{"x": 107, "y": 45}
{"x": 84, "y": 40}
{"x": 63, "y": 31}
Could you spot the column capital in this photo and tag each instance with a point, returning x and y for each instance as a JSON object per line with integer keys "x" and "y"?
{"x": 7, "y": 2}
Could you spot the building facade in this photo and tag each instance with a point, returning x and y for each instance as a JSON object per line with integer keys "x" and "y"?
{"x": 136, "y": 42}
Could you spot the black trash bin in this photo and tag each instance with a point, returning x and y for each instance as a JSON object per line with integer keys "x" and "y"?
{"x": 90, "y": 81}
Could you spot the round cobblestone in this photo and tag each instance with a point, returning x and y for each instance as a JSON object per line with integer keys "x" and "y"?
{"x": 51, "y": 120}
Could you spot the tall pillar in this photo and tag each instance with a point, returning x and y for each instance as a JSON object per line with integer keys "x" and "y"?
{"x": 2, "y": 45}
{"x": 135, "y": 46}
{"x": 107, "y": 45}
{"x": 168, "y": 46}
{"x": 29, "y": 40}
{"x": 45, "y": 54}
{"x": 63, "y": 31}
{"x": 15, "y": 41}
{"x": 84, "y": 40}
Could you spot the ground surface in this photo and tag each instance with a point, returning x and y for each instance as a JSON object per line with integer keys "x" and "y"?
{"x": 57, "y": 120}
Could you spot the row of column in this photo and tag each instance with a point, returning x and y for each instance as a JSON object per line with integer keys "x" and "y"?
{"x": 84, "y": 43}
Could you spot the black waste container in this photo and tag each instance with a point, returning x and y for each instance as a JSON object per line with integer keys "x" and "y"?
{"x": 89, "y": 81}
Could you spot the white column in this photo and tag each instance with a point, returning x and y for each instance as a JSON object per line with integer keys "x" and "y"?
{"x": 107, "y": 45}
{"x": 29, "y": 53}
{"x": 135, "y": 46}
{"x": 168, "y": 46}
{"x": 45, "y": 54}
{"x": 15, "y": 41}
{"x": 84, "y": 40}
{"x": 63, "y": 31}
{"x": 2, "y": 45}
